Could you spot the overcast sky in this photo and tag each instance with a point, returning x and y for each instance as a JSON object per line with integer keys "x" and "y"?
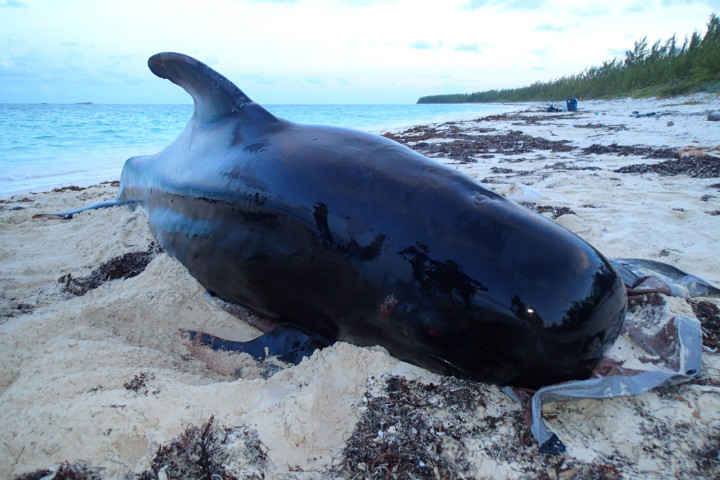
{"x": 320, "y": 51}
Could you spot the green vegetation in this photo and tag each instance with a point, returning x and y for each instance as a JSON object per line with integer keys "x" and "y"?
{"x": 662, "y": 70}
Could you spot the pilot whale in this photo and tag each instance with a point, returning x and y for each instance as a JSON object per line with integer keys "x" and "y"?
{"x": 341, "y": 235}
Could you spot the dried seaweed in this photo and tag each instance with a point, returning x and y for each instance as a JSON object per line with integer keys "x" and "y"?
{"x": 709, "y": 315}
{"x": 36, "y": 475}
{"x": 423, "y": 132}
{"x": 600, "y": 126}
{"x": 706, "y": 166}
{"x": 125, "y": 266}
{"x": 626, "y": 150}
{"x": 685, "y": 162}
{"x": 139, "y": 384}
{"x": 210, "y": 451}
{"x": 556, "y": 212}
{"x": 569, "y": 470}
{"x": 395, "y": 438}
{"x": 511, "y": 143}
{"x": 66, "y": 471}
{"x": 14, "y": 309}
{"x": 523, "y": 119}
{"x": 509, "y": 171}
{"x": 467, "y": 144}
{"x": 69, "y": 188}
{"x": 565, "y": 166}
{"x": 707, "y": 458}
{"x": 414, "y": 430}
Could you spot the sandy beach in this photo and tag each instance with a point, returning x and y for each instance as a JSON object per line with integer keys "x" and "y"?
{"x": 95, "y": 375}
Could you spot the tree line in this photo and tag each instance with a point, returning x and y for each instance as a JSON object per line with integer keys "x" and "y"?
{"x": 662, "y": 69}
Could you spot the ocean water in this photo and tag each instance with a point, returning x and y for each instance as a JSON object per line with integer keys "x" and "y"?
{"x": 47, "y": 146}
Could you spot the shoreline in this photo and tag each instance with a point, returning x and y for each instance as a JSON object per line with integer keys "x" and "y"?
{"x": 106, "y": 378}
{"x": 82, "y": 153}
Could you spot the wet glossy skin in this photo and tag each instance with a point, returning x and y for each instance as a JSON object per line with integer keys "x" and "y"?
{"x": 363, "y": 240}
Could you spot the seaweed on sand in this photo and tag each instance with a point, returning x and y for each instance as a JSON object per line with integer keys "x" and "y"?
{"x": 124, "y": 266}
{"x": 470, "y": 142}
{"x": 66, "y": 471}
{"x": 555, "y": 212}
{"x": 211, "y": 451}
{"x": 706, "y": 166}
{"x": 411, "y": 429}
{"x": 709, "y": 315}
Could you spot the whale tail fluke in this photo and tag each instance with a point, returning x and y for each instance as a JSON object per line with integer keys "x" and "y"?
{"x": 215, "y": 96}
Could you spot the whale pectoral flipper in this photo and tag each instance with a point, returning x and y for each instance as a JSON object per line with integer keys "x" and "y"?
{"x": 68, "y": 214}
{"x": 287, "y": 342}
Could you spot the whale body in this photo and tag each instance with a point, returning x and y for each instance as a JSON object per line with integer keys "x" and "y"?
{"x": 355, "y": 237}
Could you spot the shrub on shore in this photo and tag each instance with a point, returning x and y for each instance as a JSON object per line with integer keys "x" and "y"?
{"x": 663, "y": 69}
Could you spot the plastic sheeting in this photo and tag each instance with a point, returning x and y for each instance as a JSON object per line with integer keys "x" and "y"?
{"x": 666, "y": 344}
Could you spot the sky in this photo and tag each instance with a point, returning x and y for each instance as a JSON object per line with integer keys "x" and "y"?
{"x": 320, "y": 51}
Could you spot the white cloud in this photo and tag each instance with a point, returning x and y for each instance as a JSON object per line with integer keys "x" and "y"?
{"x": 211, "y": 60}
{"x": 543, "y": 53}
{"x": 504, "y": 4}
{"x": 525, "y": 4}
{"x": 591, "y": 10}
{"x": 13, "y": 4}
{"x": 467, "y": 47}
{"x": 315, "y": 81}
{"x": 640, "y": 6}
{"x": 549, "y": 27}
{"x": 423, "y": 45}
{"x": 364, "y": 3}
{"x": 473, "y": 4}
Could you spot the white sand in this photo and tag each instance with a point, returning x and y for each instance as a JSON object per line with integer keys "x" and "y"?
{"x": 64, "y": 360}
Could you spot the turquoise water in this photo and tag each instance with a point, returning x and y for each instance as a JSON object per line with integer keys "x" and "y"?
{"x": 46, "y": 146}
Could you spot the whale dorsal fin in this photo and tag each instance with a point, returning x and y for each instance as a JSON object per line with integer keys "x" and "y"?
{"x": 215, "y": 96}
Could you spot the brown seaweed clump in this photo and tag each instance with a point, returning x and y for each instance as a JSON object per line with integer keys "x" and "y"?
{"x": 511, "y": 143}
{"x": 66, "y": 471}
{"x": 707, "y": 458}
{"x": 706, "y": 166}
{"x": 395, "y": 438}
{"x": 709, "y": 315}
{"x": 139, "y": 385}
{"x": 411, "y": 429}
{"x": 124, "y": 266}
{"x": 555, "y": 212}
{"x": 468, "y": 143}
{"x": 626, "y": 150}
{"x": 210, "y": 451}
{"x": 414, "y": 430}
{"x": 692, "y": 163}
{"x": 207, "y": 452}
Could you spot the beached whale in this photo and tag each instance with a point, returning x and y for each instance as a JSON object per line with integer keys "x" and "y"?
{"x": 344, "y": 235}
